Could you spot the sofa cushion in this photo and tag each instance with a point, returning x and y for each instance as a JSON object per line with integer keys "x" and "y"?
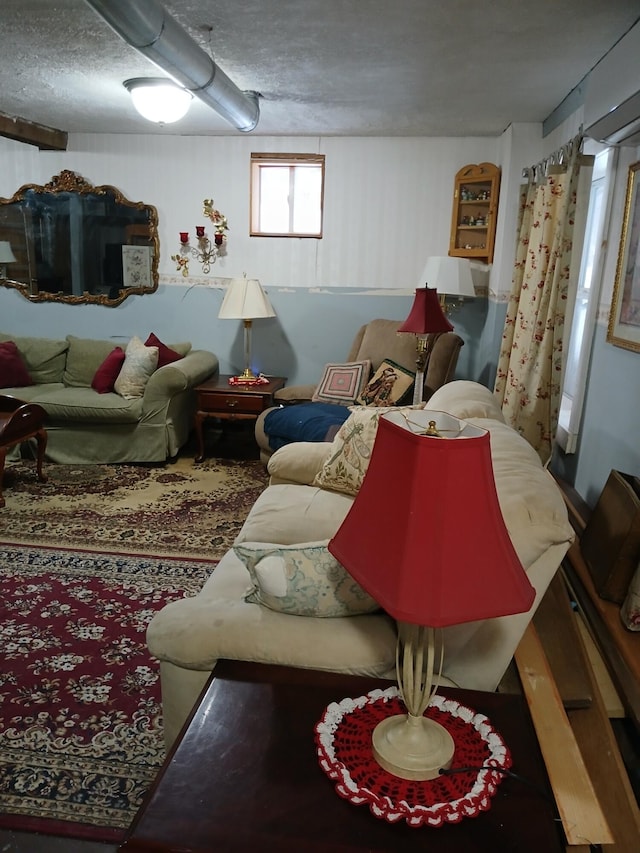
{"x": 63, "y": 404}
{"x": 84, "y": 358}
{"x": 302, "y": 580}
{"x": 44, "y": 358}
{"x": 13, "y": 371}
{"x": 342, "y": 383}
{"x": 217, "y": 623}
{"x": 389, "y": 385}
{"x": 287, "y": 513}
{"x": 348, "y": 460}
{"x": 466, "y": 399}
{"x": 106, "y": 375}
{"x": 140, "y": 362}
{"x": 532, "y": 506}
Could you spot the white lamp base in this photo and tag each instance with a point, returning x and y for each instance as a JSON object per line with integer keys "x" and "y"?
{"x": 411, "y": 747}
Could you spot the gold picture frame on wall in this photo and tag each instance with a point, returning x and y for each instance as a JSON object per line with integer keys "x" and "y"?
{"x": 624, "y": 317}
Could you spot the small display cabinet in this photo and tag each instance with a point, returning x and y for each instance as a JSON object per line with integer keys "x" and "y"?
{"x": 475, "y": 210}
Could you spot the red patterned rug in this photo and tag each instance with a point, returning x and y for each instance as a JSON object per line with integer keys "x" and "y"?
{"x": 80, "y": 714}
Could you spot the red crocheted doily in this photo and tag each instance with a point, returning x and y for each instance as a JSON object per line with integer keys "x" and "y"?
{"x": 343, "y": 739}
{"x": 238, "y": 380}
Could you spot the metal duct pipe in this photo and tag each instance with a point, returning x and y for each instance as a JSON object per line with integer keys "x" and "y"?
{"x": 146, "y": 26}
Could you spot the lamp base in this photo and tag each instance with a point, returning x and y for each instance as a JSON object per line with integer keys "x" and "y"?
{"x": 411, "y": 747}
{"x": 247, "y": 376}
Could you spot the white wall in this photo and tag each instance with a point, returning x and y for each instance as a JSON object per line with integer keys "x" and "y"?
{"x": 387, "y": 201}
{"x": 388, "y": 206}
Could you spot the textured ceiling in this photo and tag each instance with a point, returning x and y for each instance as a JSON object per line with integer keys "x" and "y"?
{"x": 322, "y": 67}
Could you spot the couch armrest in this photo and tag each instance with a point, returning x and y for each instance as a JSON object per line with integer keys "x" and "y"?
{"x": 295, "y": 394}
{"x": 179, "y": 376}
{"x": 298, "y": 462}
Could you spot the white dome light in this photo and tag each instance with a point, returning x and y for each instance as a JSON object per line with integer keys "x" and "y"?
{"x": 158, "y": 99}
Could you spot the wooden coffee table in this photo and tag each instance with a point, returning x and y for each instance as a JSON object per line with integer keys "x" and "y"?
{"x": 18, "y": 422}
{"x": 244, "y": 776}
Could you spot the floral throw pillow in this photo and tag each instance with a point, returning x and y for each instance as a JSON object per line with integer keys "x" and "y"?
{"x": 139, "y": 363}
{"x": 348, "y": 460}
{"x": 302, "y": 580}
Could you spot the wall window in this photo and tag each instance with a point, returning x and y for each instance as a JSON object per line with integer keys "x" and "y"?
{"x": 586, "y": 303}
{"x": 287, "y": 193}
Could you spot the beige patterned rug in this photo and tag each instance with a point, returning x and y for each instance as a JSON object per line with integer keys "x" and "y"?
{"x": 182, "y": 509}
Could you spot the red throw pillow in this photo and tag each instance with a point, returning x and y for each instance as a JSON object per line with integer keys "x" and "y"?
{"x": 166, "y": 355}
{"x": 13, "y": 373}
{"x": 106, "y": 375}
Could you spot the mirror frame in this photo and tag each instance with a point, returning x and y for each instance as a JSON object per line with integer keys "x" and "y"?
{"x": 69, "y": 182}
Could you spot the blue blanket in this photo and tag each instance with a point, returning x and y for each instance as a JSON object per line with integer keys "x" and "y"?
{"x": 303, "y": 422}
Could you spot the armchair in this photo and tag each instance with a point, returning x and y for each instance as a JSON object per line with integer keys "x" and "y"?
{"x": 377, "y": 340}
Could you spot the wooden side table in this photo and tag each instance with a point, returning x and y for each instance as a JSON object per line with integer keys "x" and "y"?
{"x": 217, "y": 399}
{"x": 244, "y": 777}
{"x": 18, "y": 422}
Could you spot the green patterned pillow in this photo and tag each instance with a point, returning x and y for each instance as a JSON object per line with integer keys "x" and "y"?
{"x": 302, "y": 580}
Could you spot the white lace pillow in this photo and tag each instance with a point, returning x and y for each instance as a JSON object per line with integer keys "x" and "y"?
{"x": 302, "y": 580}
{"x": 348, "y": 460}
{"x": 139, "y": 363}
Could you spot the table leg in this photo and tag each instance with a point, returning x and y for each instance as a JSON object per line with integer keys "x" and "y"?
{"x": 3, "y": 456}
{"x": 199, "y": 418}
{"x": 41, "y": 437}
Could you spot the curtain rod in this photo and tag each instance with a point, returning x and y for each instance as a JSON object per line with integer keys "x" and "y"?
{"x": 559, "y": 157}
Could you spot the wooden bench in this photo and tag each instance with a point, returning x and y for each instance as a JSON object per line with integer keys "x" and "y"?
{"x": 593, "y": 792}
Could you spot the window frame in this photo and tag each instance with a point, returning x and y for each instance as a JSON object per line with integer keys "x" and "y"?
{"x": 260, "y": 160}
{"x": 583, "y": 321}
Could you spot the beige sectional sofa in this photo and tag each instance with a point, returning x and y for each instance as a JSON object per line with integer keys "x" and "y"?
{"x": 84, "y": 426}
{"x": 190, "y": 635}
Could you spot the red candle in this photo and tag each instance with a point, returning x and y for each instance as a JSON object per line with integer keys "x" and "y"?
{"x": 184, "y": 236}
{"x": 200, "y": 230}
{"x": 218, "y": 239}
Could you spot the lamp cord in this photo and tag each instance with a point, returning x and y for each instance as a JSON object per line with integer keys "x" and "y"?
{"x": 593, "y": 848}
{"x": 506, "y": 772}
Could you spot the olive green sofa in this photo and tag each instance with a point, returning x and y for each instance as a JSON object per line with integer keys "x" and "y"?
{"x": 87, "y": 427}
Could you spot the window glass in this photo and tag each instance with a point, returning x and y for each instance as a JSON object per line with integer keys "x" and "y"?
{"x": 586, "y": 301}
{"x": 286, "y": 195}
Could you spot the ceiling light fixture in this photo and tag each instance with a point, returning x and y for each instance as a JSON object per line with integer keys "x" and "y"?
{"x": 158, "y": 99}
{"x": 149, "y": 29}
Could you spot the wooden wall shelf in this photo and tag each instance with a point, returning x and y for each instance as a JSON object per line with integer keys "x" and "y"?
{"x": 475, "y": 210}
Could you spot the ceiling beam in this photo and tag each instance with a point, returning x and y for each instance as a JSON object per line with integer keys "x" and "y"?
{"x": 45, "y": 138}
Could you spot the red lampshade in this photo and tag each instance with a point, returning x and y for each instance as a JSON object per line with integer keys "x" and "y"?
{"x": 425, "y": 535}
{"x": 426, "y": 315}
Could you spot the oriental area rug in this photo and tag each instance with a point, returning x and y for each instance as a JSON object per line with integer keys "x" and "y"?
{"x": 86, "y": 559}
{"x": 180, "y": 509}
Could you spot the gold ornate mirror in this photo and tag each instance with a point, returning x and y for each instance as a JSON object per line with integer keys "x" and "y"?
{"x": 69, "y": 241}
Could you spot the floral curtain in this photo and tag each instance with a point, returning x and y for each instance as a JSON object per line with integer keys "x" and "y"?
{"x": 529, "y": 376}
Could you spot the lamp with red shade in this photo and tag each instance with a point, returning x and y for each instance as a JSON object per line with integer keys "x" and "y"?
{"x": 426, "y": 317}
{"x": 446, "y": 558}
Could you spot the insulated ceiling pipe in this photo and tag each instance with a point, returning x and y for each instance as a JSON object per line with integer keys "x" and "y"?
{"x": 152, "y": 31}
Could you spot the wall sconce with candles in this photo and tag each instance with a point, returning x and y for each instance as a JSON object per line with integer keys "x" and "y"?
{"x": 207, "y": 251}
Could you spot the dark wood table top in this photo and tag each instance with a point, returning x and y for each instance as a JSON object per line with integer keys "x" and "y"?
{"x": 244, "y": 776}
